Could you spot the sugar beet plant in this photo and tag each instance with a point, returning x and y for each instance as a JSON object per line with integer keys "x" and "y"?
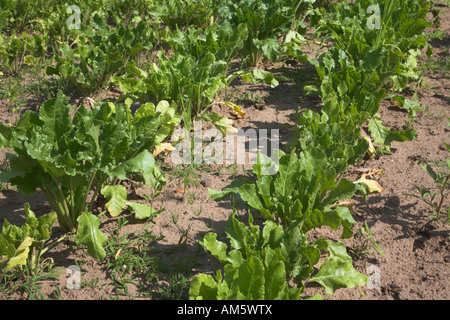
{"x": 260, "y": 264}
{"x": 99, "y": 53}
{"x": 302, "y": 195}
{"x": 74, "y": 159}
{"x": 193, "y": 75}
{"x": 266, "y": 21}
{"x": 371, "y": 54}
{"x": 305, "y": 191}
{"x": 25, "y": 244}
{"x": 196, "y": 72}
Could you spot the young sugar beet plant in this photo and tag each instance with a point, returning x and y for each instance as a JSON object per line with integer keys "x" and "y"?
{"x": 99, "y": 53}
{"x": 266, "y": 21}
{"x": 262, "y": 263}
{"x": 304, "y": 189}
{"x": 302, "y": 195}
{"x": 195, "y": 74}
{"x": 371, "y": 54}
{"x": 25, "y": 244}
{"x": 74, "y": 159}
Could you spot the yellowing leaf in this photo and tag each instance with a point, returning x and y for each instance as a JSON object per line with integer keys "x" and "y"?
{"x": 375, "y": 171}
{"x": 371, "y": 150}
{"x": 371, "y": 185}
{"x": 349, "y": 203}
{"x": 235, "y": 109}
{"x": 21, "y": 254}
{"x": 231, "y": 130}
{"x": 117, "y": 253}
{"x": 117, "y": 197}
{"x": 223, "y": 124}
{"x": 30, "y": 60}
{"x": 164, "y": 147}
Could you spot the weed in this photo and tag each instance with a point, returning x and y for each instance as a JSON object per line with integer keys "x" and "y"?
{"x": 441, "y": 177}
{"x": 33, "y": 278}
{"x": 438, "y": 66}
{"x": 367, "y": 243}
{"x": 177, "y": 288}
{"x": 183, "y": 231}
{"x": 188, "y": 174}
{"x": 129, "y": 258}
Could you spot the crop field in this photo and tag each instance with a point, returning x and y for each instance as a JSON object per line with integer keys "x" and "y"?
{"x": 224, "y": 150}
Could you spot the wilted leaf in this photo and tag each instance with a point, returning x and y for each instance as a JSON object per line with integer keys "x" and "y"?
{"x": 223, "y": 124}
{"x": 371, "y": 150}
{"x": 164, "y": 147}
{"x": 235, "y": 109}
{"x": 372, "y": 186}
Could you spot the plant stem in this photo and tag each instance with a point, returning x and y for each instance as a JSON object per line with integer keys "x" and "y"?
{"x": 444, "y": 186}
{"x": 97, "y": 190}
{"x": 53, "y": 244}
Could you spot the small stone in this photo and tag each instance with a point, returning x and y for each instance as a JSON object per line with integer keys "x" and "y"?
{"x": 206, "y": 182}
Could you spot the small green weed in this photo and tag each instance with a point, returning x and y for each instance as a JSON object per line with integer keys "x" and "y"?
{"x": 367, "y": 243}
{"x": 439, "y": 171}
{"x": 130, "y": 259}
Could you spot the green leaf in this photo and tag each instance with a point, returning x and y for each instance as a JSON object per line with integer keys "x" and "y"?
{"x": 249, "y": 194}
{"x": 203, "y": 287}
{"x": 238, "y": 233}
{"x": 274, "y": 276}
{"x": 378, "y": 131}
{"x": 88, "y": 234}
{"x": 20, "y": 256}
{"x": 217, "y": 248}
{"x": 286, "y": 180}
{"x": 251, "y": 279}
{"x": 344, "y": 190}
{"x": 269, "y": 46}
{"x": 256, "y": 76}
{"x": 116, "y": 196}
{"x": 141, "y": 211}
{"x": 337, "y": 270}
{"x": 143, "y": 163}
{"x": 55, "y": 113}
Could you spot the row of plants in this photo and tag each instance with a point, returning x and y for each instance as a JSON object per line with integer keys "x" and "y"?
{"x": 159, "y": 56}
{"x": 355, "y": 73}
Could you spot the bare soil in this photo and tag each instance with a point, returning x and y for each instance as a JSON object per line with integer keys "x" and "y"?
{"x": 417, "y": 248}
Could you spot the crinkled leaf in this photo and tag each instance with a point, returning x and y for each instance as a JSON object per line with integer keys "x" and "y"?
{"x": 337, "y": 270}
{"x": 20, "y": 256}
{"x": 116, "y": 196}
{"x": 89, "y": 234}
